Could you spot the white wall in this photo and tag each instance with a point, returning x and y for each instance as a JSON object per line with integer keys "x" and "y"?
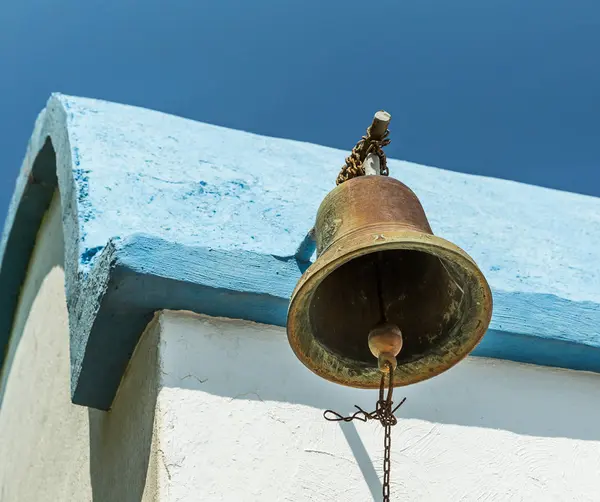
{"x": 242, "y": 420}
{"x": 52, "y": 450}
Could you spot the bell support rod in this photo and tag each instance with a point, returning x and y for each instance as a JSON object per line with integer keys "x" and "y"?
{"x": 381, "y": 120}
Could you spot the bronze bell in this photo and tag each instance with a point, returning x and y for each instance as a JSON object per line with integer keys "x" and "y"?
{"x": 378, "y": 264}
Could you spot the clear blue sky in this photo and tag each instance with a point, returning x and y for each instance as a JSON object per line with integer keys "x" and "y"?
{"x": 505, "y": 88}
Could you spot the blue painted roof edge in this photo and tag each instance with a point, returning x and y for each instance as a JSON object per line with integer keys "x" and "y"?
{"x": 133, "y": 276}
{"x": 149, "y": 273}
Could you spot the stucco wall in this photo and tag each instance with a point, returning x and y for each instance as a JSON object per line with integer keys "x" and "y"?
{"x": 51, "y": 449}
{"x": 242, "y": 420}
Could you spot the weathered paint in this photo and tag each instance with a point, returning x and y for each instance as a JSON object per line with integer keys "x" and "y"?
{"x": 241, "y": 419}
{"x": 196, "y": 190}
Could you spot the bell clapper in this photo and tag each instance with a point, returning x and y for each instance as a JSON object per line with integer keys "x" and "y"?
{"x": 385, "y": 343}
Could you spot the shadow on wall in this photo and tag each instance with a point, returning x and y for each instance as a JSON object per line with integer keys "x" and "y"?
{"x": 250, "y": 361}
{"x": 121, "y": 464}
{"x": 119, "y": 469}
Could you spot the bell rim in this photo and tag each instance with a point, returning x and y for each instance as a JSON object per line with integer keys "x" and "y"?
{"x": 352, "y": 246}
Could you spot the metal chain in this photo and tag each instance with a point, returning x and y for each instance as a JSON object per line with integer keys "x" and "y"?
{"x": 387, "y": 419}
{"x": 387, "y": 437}
{"x": 354, "y": 162}
{"x": 384, "y": 413}
{"x": 387, "y": 464}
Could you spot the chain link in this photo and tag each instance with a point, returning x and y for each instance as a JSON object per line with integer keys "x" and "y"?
{"x": 384, "y": 413}
{"x": 387, "y": 423}
{"x": 387, "y": 464}
{"x": 354, "y": 162}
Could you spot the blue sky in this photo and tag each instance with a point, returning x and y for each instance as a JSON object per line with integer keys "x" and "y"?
{"x": 503, "y": 88}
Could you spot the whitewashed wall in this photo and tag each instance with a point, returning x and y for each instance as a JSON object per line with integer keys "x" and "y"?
{"x": 221, "y": 410}
{"x": 242, "y": 420}
{"x": 50, "y": 449}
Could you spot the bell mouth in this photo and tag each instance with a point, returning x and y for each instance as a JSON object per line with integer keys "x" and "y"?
{"x": 428, "y": 287}
{"x": 419, "y": 292}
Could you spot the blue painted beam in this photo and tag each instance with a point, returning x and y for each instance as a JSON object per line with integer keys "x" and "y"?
{"x": 162, "y": 212}
{"x": 149, "y": 274}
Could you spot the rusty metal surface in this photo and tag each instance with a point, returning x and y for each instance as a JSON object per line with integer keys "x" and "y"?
{"x": 372, "y": 229}
{"x": 367, "y": 200}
